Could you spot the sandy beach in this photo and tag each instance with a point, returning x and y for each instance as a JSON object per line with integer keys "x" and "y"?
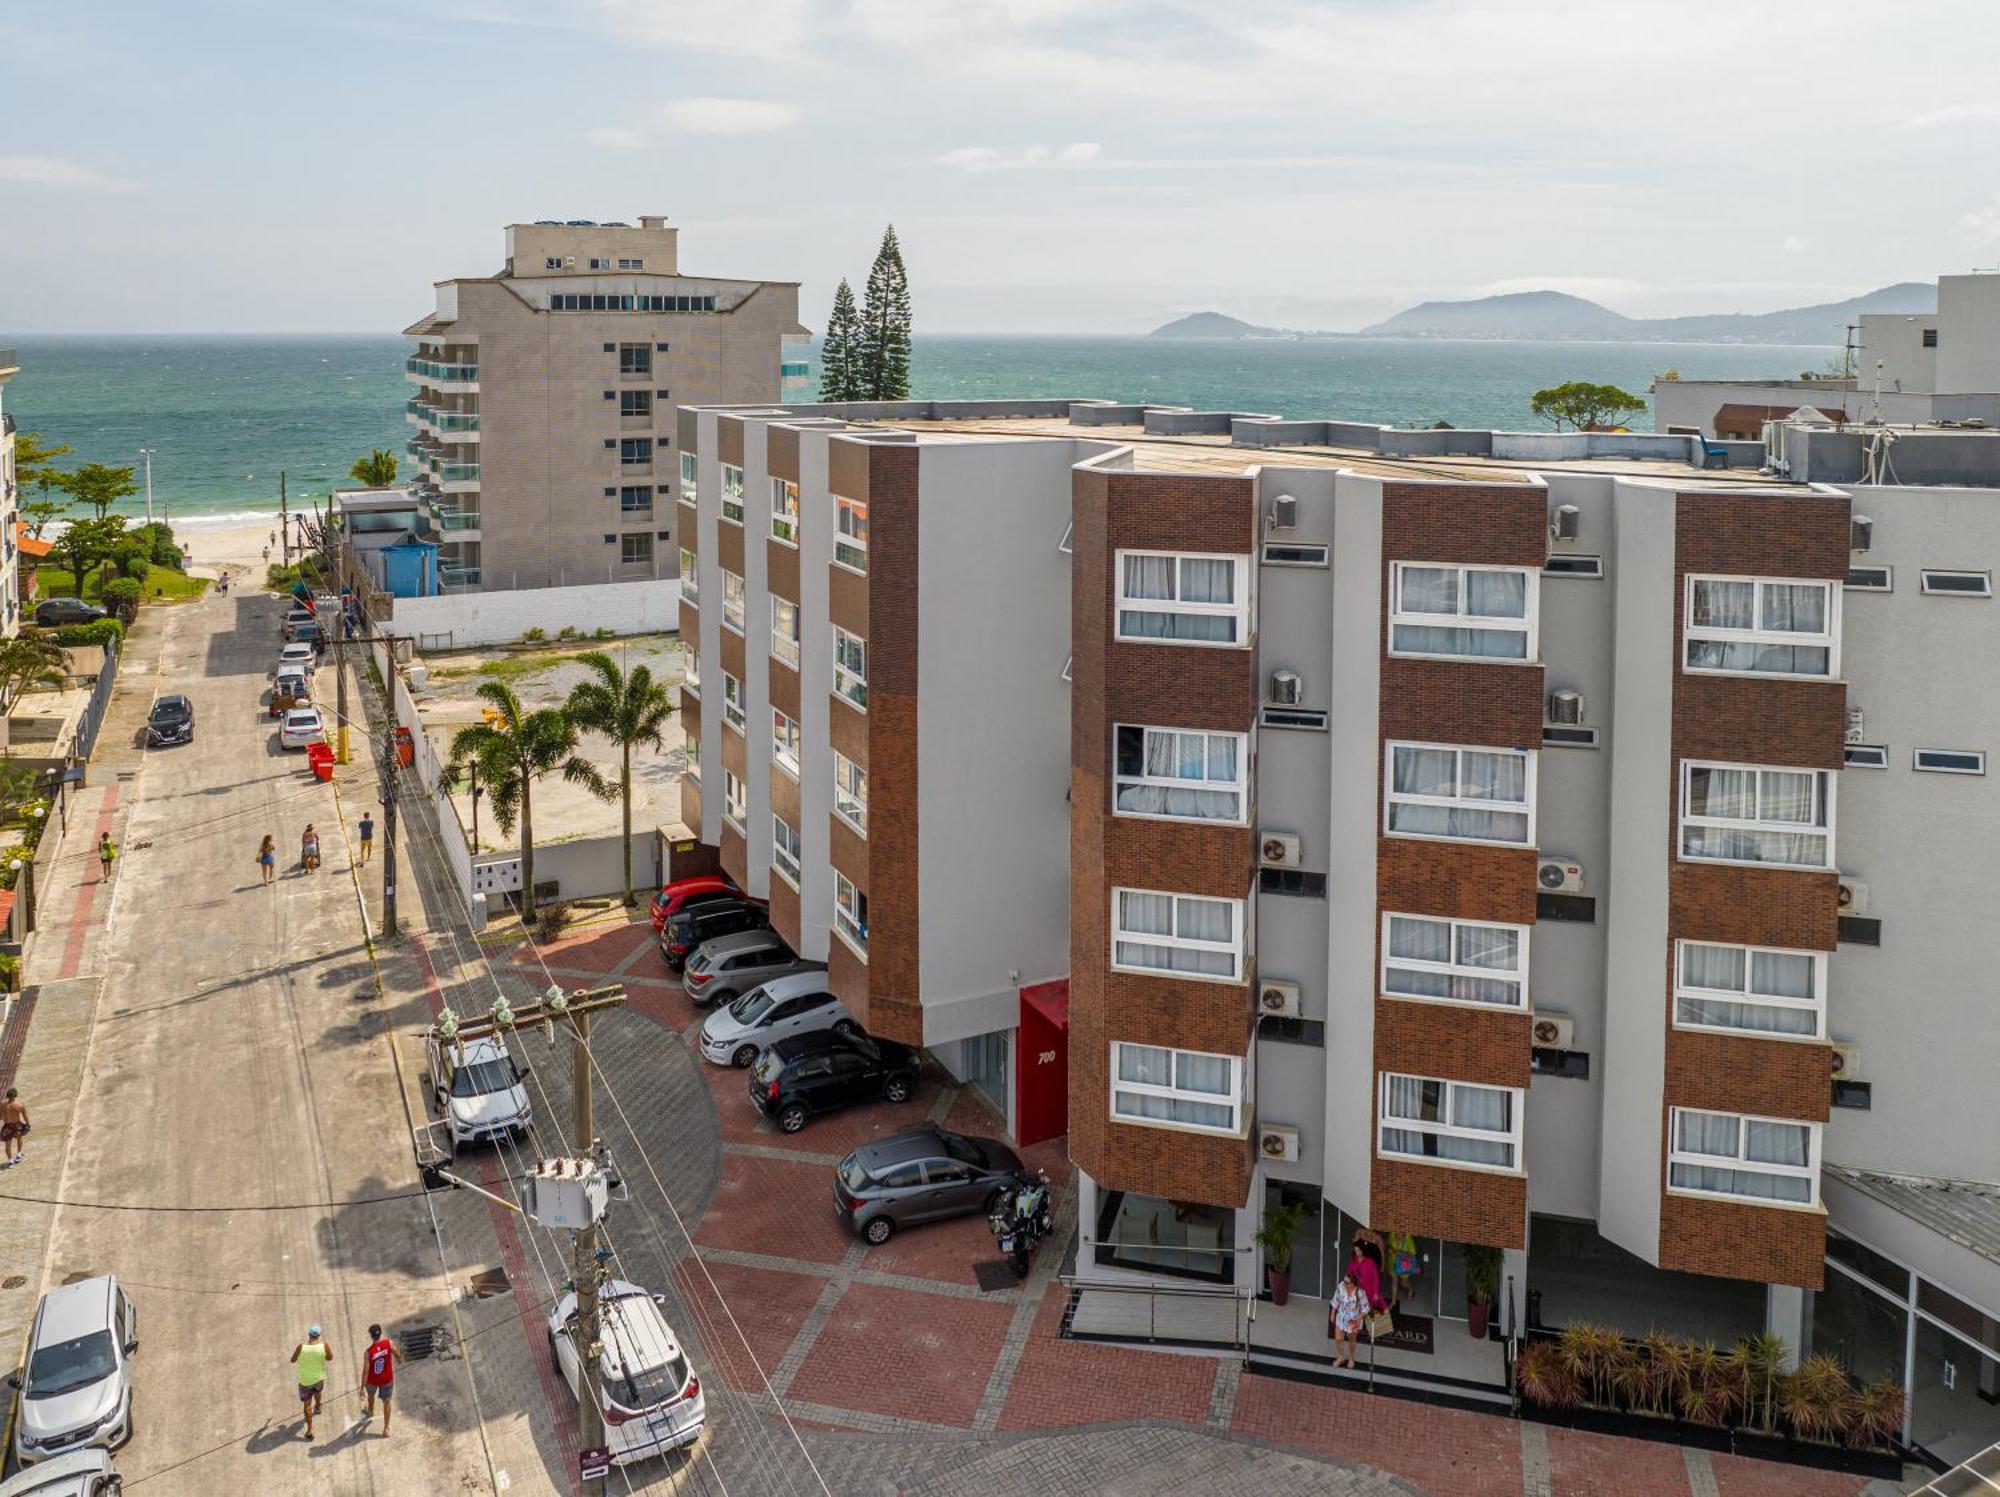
{"x": 234, "y": 543}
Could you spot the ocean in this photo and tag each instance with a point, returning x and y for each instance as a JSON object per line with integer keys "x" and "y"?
{"x": 225, "y": 415}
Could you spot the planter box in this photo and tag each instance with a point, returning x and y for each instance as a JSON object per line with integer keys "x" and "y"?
{"x": 1753, "y": 1444}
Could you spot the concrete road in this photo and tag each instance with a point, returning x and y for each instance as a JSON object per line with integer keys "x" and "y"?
{"x": 239, "y": 1087}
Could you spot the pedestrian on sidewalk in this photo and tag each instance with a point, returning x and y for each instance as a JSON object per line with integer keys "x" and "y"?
{"x": 105, "y": 853}
{"x": 267, "y": 858}
{"x": 310, "y": 1356}
{"x": 378, "y": 1375}
{"x": 13, "y": 1127}
{"x": 309, "y": 849}
{"x": 1349, "y": 1309}
{"x": 367, "y": 835}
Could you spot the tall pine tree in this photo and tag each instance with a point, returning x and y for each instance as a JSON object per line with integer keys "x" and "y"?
{"x": 884, "y": 343}
{"x": 839, "y": 376}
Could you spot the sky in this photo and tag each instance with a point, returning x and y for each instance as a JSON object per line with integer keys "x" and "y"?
{"x": 1051, "y": 166}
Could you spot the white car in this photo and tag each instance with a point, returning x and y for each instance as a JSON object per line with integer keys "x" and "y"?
{"x": 652, "y": 1400}
{"x": 786, "y": 1006}
{"x": 477, "y": 1087}
{"x": 77, "y": 1388}
{"x": 82, "y": 1473}
{"x": 297, "y": 657}
{"x": 301, "y": 726}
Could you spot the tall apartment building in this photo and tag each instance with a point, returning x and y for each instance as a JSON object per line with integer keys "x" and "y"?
{"x": 1569, "y": 856}
{"x": 10, "y": 508}
{"x": 543, "y": 438}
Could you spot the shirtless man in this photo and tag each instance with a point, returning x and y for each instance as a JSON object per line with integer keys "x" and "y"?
{"x": 13, "y": 1127}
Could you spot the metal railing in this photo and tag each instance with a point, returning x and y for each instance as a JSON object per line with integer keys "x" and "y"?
{"x": 434, "y": 369}
{"x": 1243, "y": 1307}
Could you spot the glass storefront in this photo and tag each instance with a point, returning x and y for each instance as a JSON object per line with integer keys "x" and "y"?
{"x": 1955, "y": 1397}
{"x": 1865, "y": 1330}
{"x": 1310, "y": 1265}
{"x": 985, "y": 1059}
{"x": 1178, "y": 1238}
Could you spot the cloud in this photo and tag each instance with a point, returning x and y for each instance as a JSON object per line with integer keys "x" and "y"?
{"x": 54, "y": 171}
{"x": 772, "y": 29}
{"x": 1984, "y": 223}
{"x": 1955, "y": 114}
{"x": 697, "y": 117}
{"x": 1793, "y": 244}
{"x": 1079, "y": 154}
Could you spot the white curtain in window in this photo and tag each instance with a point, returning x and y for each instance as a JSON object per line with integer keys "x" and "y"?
{"x": 1149, "y": 577}
{"x": 1497, "y": 595}
{"x": 1204, "y": 919}
{"x": 1722, "y": 792}
{"x": 1795, "y": 607}
{"x": 1414, "y": 1098}
{"x": 1502, "y": 777}
{"x": 1147, "y": 1065}
{"x": 1430, "y": 590}
{"x": 1717, "y": 967}
{"x": 1419, "y": 940}
{"x": 1757, "y": 1018}
{"x": 1221, "y": 758}
{"x": 1785, "y": 796}
{"x": 1724, "y": 605}
{"x": 1145, "y": 914}
{"x": 1706, "y": 1133}
{"x": 1425, "y": 771}
{"x": 1489, "y": 946}
{"x": 1777, "y": 1143}
{"x": 1207, "y": 580}
{"x": 1750, "y": 1184}
{"x": 1481, "y": 1107}
{"x": 1202, "y": 1073}
{"x": 1782, "y": 974}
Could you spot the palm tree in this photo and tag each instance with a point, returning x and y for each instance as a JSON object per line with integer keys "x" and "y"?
{"x": 632, "y": 712}
{"x": 511, "y": 753}
{"x": 29, "y": 660}
{"x": 375, "y": 471}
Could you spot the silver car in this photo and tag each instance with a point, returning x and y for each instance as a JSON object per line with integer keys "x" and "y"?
{"x": 727, "y": 967}
{"x": 76, "y": 1390}
{"x": 82, "y": 1473}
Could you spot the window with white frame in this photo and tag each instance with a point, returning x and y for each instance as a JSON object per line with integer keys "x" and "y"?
{"x": 734, "y": 701}
{"x": 1461, "y": 794}
{"x": 850, "y": 792}
{"x": 850, "y": 533}
{"x": 690, "y": 577}
{"x": 1750, "y": 989}
{"x": 690, "y": 478}
{"x": 732, "y": 493}
{"x": 693, "y": 770}
{"x": 1180, "y": 935}
{"x": 1956, "y": 584}
{"x": 1455, "y": 961}
{"x": 1748, "y": 1158}
{"x": 785, "y": 850}
{"x": 850, "y": 667}
{"x": 1743, "y": 813}
{"x": 1451, "y": 1122}
{"x": 1177, "y": 597}
{"x": 1475, "y": 613}
{"x": 1762, "y": 625}
{"x": 1154, "y": 1085}
{"x": 850, "y": 913}
{"x": 785, "y": 743}
{"x": 735, "y": 800}
{"x": 785, "y": 511}
{"x": 1181, "y": 774}
{"x": 732, "y": 601}
{"x": 691, "y": 670}
{"x": 785, "y": 631}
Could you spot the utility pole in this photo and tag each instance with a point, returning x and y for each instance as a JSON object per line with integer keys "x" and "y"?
{"x": 147, "y": 454}
{"x": 284, "y": 523}
{"x": 474, "y": 766}
{"x": 589, "y": 1273}
{"x": 389, "y": 771}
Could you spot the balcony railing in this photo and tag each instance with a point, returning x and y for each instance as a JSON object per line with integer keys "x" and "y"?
{"x": 458, "y": 472}
{"x": 431, "y": 369}
{"x": 455, "y": 519}
{"x": 455, "y": 420}
{"x": 451, "y": 576}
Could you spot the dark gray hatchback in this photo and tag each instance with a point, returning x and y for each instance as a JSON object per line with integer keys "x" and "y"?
{"x": 919, "y": 1176}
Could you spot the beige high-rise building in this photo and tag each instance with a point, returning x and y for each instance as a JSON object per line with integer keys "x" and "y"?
{"x": 10, "y": 510}
{"x": 543, "y": 441}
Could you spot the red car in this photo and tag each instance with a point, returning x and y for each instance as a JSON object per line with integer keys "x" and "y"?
{"x": 681, "y": 893}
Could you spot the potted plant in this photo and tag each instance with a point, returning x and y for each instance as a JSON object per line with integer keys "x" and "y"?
{"x": 1281, "y": 1225}
{"x": 1482, "y": 1282}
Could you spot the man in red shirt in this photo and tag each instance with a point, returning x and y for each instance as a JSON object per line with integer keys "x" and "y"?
{"x": 378, "y": 1374}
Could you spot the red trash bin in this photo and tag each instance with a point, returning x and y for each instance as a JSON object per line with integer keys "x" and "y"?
{"x": 406, "y": 748}
{"x": 319, "y": 759}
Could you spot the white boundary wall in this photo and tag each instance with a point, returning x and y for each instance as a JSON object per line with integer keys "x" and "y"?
{"x": 649, "y": 606}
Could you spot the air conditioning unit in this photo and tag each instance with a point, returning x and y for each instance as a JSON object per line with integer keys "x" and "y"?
{"x": 1284, "y": 512}
{"x": 1553, "y": 1032}
{"x": 1853, "y": 896}
{"x": 1856, "y": 730}
{"x": 1563, "y": 522}
{"x": 1286, "y": 688}
{"x": 1565, "y": 706}
{"x": 1559, "y": 876}
{"x": 1845, "y": 1060}
{"x": 1860, "y": 533}
{"x": 1278, "y": 849}
{"x": 1277, "y": 1142}
{"x": 1278, "y": 1000}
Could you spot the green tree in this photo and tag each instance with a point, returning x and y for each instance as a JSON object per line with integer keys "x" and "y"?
{"x": 29, "y": 660}
{"x": 86, "y": 542}
{"x": 837, "y": 372}
{"x": 1582, "y": 405}
{"x": 35, "y": 467}
{"x": 375, "y": 471}
{"x": 883, "y": 343}
{"x": 100, "y": 487}
{"x": 628, "y": 710}
{"x": 511, "y": 755}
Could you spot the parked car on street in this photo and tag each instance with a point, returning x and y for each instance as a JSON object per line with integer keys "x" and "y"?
{"x": 699, "y": 924}
{"x": 301, "y": 624}
{"x": 821, "y": 1071}
{"x": 300, "y": 727}
{"x": 732, "y": 1036}
{"x": 298, "y": 656}
{"x": 479, "y": 1093}
{"x": 51, "y": 611}
{"x": 920, "y": 1176}
{"x": 76, "y": 1390}
{"x": 683, "y": 892}
{"x": 170, "y": 721}
{"x": 722, "y": 970}
{"x": 652, "y": 1401}
{"x": 289, "y": 689}
{"x": 81, "y": 1473}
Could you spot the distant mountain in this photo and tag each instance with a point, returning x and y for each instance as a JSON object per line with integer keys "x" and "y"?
{"x": 1553, "y": 315}
{"x": 1213, "y": 325}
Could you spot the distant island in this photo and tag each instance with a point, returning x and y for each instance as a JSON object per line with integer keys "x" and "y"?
{"x": 1555, "y": 316}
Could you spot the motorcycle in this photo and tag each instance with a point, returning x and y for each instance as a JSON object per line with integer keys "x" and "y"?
{"x": 1024, "y": 1216}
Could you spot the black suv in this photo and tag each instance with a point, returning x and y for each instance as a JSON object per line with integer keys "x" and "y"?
{"x": 689, "y": 928}
{"x": 824, "y": 1070}
{"x": 171, "y": 721}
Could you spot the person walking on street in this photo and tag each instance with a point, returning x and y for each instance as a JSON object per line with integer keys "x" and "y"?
{"x": 378, "y": 1375}
{"x": 367, "y": 835}
{"x": 1349, "y": 1309}
{"x": 267, "y": 858}
{"x": 13, "y": 1127}
{"x": 105, "y": 853}
{"x": 309, "y": 849}
{"x": 310, "y": 1356}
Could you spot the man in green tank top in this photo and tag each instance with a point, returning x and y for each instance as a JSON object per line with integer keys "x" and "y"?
{"x": 311, "y": 1356}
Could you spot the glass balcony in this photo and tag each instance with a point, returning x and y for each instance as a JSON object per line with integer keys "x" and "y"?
{"x": 458, "y": 472}
{"x": 457, "y": 576}
{"x": 455, "y": 420}
{"x": 795, "y": 371}
{"x": 455, "y": 519}
{"x": 433, "y": 370}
